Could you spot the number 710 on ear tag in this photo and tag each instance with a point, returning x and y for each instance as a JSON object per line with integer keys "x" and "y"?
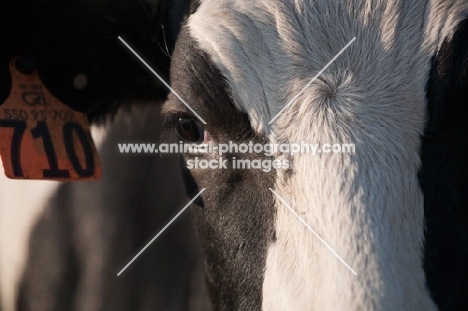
{"x": 42, "y": 138}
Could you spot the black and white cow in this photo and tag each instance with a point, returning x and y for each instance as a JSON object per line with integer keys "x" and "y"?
{"x": 396, "y": 211}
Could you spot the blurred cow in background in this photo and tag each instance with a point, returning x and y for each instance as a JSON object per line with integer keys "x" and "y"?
{"x": 87, "y": 231}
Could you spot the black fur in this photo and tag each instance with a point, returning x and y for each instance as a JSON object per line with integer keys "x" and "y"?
{"x": 70, "y": 37}
{"x": 236, "y": 223}
{"x": 444, "y": 175}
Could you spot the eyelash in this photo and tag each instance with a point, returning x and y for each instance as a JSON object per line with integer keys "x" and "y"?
{"x": 172, "y": 119}
{"x": 188, "y": 128}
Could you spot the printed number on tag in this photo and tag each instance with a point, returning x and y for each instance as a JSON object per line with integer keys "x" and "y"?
{"x": 42, "y": 138}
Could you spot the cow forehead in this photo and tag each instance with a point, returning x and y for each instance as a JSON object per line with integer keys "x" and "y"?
{"x": 269, "y": 50}
{"x": 372, "y": 95}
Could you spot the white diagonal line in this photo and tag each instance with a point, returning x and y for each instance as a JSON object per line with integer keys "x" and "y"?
{"x": 162, "y": 80}
{"x": 160, "y": 232}
{"x": 315, "y": 233}
{"x": 311, "y": 81}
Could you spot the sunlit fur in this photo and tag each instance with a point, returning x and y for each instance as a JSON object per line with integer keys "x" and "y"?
{"x": 367, "y": 206}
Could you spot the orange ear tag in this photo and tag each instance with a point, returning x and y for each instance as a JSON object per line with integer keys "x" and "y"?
{"x": 42, "y": 138}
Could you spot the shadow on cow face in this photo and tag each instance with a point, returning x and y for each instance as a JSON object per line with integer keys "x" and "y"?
{"x": 235, "y": 215}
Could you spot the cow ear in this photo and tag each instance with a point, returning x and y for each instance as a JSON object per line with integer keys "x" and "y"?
{"x": 80, "y": 39}
{"x": 150, "y": 28}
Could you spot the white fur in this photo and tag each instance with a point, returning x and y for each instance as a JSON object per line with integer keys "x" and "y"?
{"x": 367, "y": 206}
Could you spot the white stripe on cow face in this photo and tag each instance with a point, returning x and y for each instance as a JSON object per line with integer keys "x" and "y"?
{"x": 367, "y": 206}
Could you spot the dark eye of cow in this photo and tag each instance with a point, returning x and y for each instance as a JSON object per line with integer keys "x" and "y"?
{"x": 190, "y": 130}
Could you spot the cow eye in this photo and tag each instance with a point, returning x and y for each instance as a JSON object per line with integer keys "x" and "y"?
{"x": 190, "y": 130}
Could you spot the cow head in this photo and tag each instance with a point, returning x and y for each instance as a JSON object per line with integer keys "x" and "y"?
{"x": 238, "y": 63}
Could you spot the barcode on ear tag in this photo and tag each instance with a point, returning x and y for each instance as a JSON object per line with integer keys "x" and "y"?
{"x": 42, "y": 138}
